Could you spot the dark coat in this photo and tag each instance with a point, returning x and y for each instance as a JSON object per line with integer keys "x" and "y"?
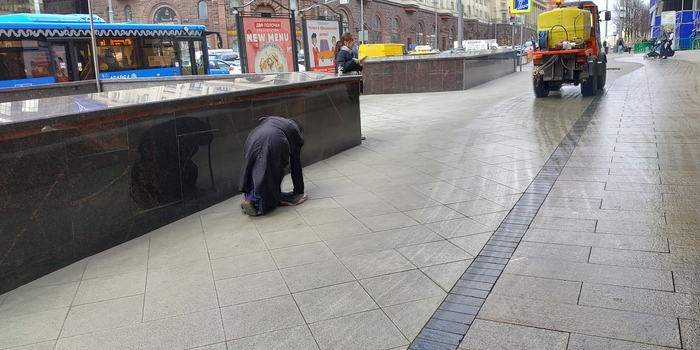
{"x": 269, "y": 148}
{"x": 344, "y": 59}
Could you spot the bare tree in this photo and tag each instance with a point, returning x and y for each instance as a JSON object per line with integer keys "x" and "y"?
{"x": 632, "y": 16}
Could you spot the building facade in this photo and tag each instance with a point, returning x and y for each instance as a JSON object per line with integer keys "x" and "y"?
{"x": 410, "y": 22}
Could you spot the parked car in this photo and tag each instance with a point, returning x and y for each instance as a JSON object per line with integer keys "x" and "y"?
{"x": 224, "y": 55}
{"x": 217, "y": 66}
{"x": 423, "y": 50}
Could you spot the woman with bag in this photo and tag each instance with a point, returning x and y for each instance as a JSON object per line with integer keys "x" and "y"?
{"x": 345, "y": 60}
{"x": 344, "y": 57}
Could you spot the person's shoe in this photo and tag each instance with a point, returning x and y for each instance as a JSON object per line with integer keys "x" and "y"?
{"x": 249, "y": 209}
{"x": 664, "y": 57}
{"x": 362, "y": 136}
{"x": 290, "y": 200}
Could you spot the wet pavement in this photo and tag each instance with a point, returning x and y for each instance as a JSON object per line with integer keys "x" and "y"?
{"x": 556, "y": 223}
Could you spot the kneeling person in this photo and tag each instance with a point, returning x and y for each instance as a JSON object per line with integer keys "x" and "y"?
{"x": 269, "y": 148}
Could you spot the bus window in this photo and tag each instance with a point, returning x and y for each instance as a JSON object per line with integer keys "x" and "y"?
{"x": 158, "y": 53}
{"x": 200, "y": 60}
{"x": 85, "y": 62}
{"x": 115, "y": 54}
{"x": 22, "y": 59}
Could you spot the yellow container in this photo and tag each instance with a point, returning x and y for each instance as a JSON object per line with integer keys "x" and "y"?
{"x": 381, "y": 50}
{"x": 565, "y": 23}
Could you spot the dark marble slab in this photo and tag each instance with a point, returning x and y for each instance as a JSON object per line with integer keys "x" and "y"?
{"x": 433, "y": 73}
{"x": 121, "y": 167}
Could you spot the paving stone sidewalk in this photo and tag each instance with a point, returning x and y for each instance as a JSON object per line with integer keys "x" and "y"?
{"x": 609, "y": 261}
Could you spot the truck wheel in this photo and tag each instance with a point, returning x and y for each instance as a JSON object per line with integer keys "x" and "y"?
{"x": 540, "y": 87}
{"x": 601, "y": 77}
{"x": 590, "y": 86}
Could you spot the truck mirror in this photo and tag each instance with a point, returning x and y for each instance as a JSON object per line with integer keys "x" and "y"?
{"x": 608, "y": 16}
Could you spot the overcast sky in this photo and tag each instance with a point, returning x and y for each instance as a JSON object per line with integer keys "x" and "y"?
{"x": 601, "y": 6}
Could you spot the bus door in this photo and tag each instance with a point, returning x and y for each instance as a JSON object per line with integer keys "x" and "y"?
{"x": 71, "y": 61}
{"x": 190, "y": 55}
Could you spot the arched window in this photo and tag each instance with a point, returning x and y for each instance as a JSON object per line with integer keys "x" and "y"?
{"x": 376, "y": 30}
{"x": 202, "y": 9}
{"x": 165, "y": 15}
{"x": 451, "y": 38}
{"x": 127, "y": 13}
{"x": 419, "y": 34}
{"x": 345, "y": 20}
{"x": 395, "y": 30}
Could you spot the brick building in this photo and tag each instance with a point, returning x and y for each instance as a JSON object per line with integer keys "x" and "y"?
{"x": 410, "y": 22}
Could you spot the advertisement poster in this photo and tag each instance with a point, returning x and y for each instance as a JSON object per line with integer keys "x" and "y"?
{"x": 268, "y": 43}
{"x": 321, "y": 37}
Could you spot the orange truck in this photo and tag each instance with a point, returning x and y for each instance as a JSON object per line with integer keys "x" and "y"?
{"x": 570, "y": 50}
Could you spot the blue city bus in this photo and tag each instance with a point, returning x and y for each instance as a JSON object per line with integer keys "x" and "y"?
{"x": 38, "y": 49}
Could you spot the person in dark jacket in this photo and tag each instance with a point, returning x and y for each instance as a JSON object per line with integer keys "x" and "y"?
{"x": 344, "y": 55}
{"x": 269, "y": 148}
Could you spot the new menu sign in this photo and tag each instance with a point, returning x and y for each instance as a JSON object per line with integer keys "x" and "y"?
{"x": 269, "y": 44}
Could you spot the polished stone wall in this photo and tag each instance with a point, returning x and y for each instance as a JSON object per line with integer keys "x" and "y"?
{"x": 434, "y": 73}
{"x": 78, "y": 183}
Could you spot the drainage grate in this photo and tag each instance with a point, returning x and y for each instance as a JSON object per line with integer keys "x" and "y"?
{"x": 448, "y": 325}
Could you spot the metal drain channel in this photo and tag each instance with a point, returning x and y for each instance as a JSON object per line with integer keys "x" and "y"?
{"x": 449, "y": 324}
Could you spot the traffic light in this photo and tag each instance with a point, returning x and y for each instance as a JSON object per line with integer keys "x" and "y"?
{"x": 511, "y": 15}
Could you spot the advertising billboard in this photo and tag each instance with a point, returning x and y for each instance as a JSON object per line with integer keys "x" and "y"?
{"x": 321, "y": 37}
{"x": 520, "y": 6}
{"x": 269, "y": 45}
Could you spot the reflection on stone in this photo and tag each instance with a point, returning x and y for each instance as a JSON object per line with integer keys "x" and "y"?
{"x": 163, "y": 170}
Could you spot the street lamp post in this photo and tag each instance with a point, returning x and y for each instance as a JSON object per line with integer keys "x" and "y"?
{"x": 436, "y": 25}
{"x": 362, "y": 22}
{"x": 460, "y": 25}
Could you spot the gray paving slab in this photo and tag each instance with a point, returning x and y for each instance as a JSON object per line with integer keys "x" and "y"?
{"x": 316, "y": 275}
{"x": 242, "y": 265}
{"x": 259, "y": 317}
{"x": 31, "y": 328}
{"x": 446, "y": 275}
{"x": 401, "y": 287}
{"x": 582, "y": 342}
{"x": 367, "y": 330}
{"x": 544, "y": 289}
{"x": 488, "y": 335}
{"x": 433, "y": 253}
{"x": 296, "y": 338}
{"x": 377, "y": 263}
{"x": 623, "y": 325}
{"x": 110, "y": 287}
{"x": 180, "y": 332}
{"x": 89, "y": 318}
{"x": 131, "y": 256}
{"x": 249, "y": 288}
{"x": 574, "y": 271}
{"x": 169, "y": 291}
{"x": 664, "y": 303}
{"x": 690, "y": 333}
{"x": 333, "y": 301}
{"x": 410, "y": 317}
{"x": 25, "y": 300}
{"x": 590, "y": 239}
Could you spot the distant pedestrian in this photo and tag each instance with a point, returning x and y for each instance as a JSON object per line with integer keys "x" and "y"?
{"x": 661, "y": 42}
{"x": 620, "y": 45}
{"x": 605, "y": 46}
